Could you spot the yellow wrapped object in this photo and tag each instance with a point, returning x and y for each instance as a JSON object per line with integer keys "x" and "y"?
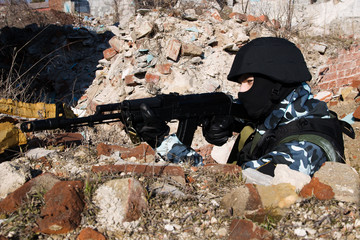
{"x": 32, "y": 110}
{"x": 10, "y": 136}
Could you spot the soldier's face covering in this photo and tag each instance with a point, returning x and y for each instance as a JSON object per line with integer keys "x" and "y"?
{"x": 257, "y": 100}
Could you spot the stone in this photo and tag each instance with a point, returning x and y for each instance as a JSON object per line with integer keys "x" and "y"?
{"x": 144, "y": 29}
{"x": 173, "y": 49}
{"x": 14, "y": 200}
{"x": 90, "y": 234}
{"x": 282, "y": 195}
{"x": 117, "y": 44}
{"x": 283, "y": 174}
{"x": 152, "y": 78}
{"x": 63, "y": 207}
{"x": 130, "y": 80}
{"x": 252, "y": 176}
{"x": 163, "y": 68}
{"x": 241, "y": 229}
{"x": 38, "y": 153}
{"x": 320, "y": 190}
{"x": 221, "y": 153}
{"x": 321, "y": 48}
{"x": 190, "y": 15}
{"x": 188, "y": 49}
{"x": 12, "y": 176}
{"x": 346, "y": 184}
{"x": 109, "y": 53}
{"x": 242, "y": 200}
{"x": 119, "y": 201}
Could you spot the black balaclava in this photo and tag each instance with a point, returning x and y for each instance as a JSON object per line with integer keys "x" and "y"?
{"x": 278, "y": 67}
{"x": 263, "y": 96}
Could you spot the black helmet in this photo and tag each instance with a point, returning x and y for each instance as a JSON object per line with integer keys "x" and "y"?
{"x": 276, "y": 58}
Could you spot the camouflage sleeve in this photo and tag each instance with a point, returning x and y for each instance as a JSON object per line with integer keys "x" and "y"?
{"x": 301, "y": 156}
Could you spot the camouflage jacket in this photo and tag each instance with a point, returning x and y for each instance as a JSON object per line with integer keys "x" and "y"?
{"x": 302, "y": 156}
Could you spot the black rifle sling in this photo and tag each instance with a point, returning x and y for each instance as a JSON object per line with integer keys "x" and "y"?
{"x": 324, "y": 132}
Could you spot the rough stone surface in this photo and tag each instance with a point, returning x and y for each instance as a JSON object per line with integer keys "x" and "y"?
{"x": 12, "y": 176}
{"x": 346, "y": 184}
{"x": 63, "y": 207}
{"x": 283, "y": 174}
{"x": 120, "y": 200}
{"x": 90, "y": 234}
{"x": 320, "y": 190}
{"x": 244, "y": 229}
{"x": 282, "y": 195}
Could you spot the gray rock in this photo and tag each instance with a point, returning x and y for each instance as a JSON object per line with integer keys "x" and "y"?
{"x": 12, "y": 176}
{"x": 255, "y": 177}
{"x": 343, "y": 179}
{"x": 283, "y": 174}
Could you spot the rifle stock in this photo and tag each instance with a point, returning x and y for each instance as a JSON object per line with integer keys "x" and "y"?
{"x": 190, "y": 110}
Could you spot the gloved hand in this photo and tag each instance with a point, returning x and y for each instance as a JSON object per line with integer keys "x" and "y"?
{"x": 218, "y": 129}
{"x": 153, "y": 130}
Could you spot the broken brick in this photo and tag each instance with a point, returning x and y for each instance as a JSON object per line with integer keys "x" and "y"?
{"x": 63, "y": 207}
{"x": 90, "y": 234}
{"x": 320, "y": 190}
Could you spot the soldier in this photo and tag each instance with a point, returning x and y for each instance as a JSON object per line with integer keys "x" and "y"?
{"x": 283, "y": 123}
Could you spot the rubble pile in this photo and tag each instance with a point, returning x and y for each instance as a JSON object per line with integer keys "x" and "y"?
{"x": 96, "y": 184}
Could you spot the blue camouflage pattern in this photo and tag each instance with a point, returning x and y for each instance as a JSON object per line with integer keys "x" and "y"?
{"x": 302, "y": 156}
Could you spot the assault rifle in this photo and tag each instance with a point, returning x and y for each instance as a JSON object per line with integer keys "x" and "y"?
{"x": 190, "y": 110}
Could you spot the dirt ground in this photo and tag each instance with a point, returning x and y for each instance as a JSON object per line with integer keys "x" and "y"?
{"x": 21, "y": 16}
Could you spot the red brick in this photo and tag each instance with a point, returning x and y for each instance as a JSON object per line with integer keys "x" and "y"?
{"x": 320, "y": 190}
{"x": 63, "y": 207}
{"x": 152, "y": 78}
{"x": 90, "y": 234}
{"x": 116, "y": 44}
{"x": 263, "y": 18}
{"x": 241, "y": 229}
{"x": 130, "y": 80}
{"x": 215, "y": 14}
{"x": 141, "y": 151}
{"x": 251, "y": 18}
{"x": 254, "y": 201}
{"x": 330, "y": 76}
{"x": 164, "y": 68}
{"x": 109, "y": 53}
{"x": 356, "y": 114}
{"x": 173, "y": 49}
{"x": 66, "y": 139}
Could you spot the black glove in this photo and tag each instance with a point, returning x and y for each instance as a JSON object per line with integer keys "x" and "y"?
{"x": 218, "y": 129}
{"x": 152, "y": 130}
